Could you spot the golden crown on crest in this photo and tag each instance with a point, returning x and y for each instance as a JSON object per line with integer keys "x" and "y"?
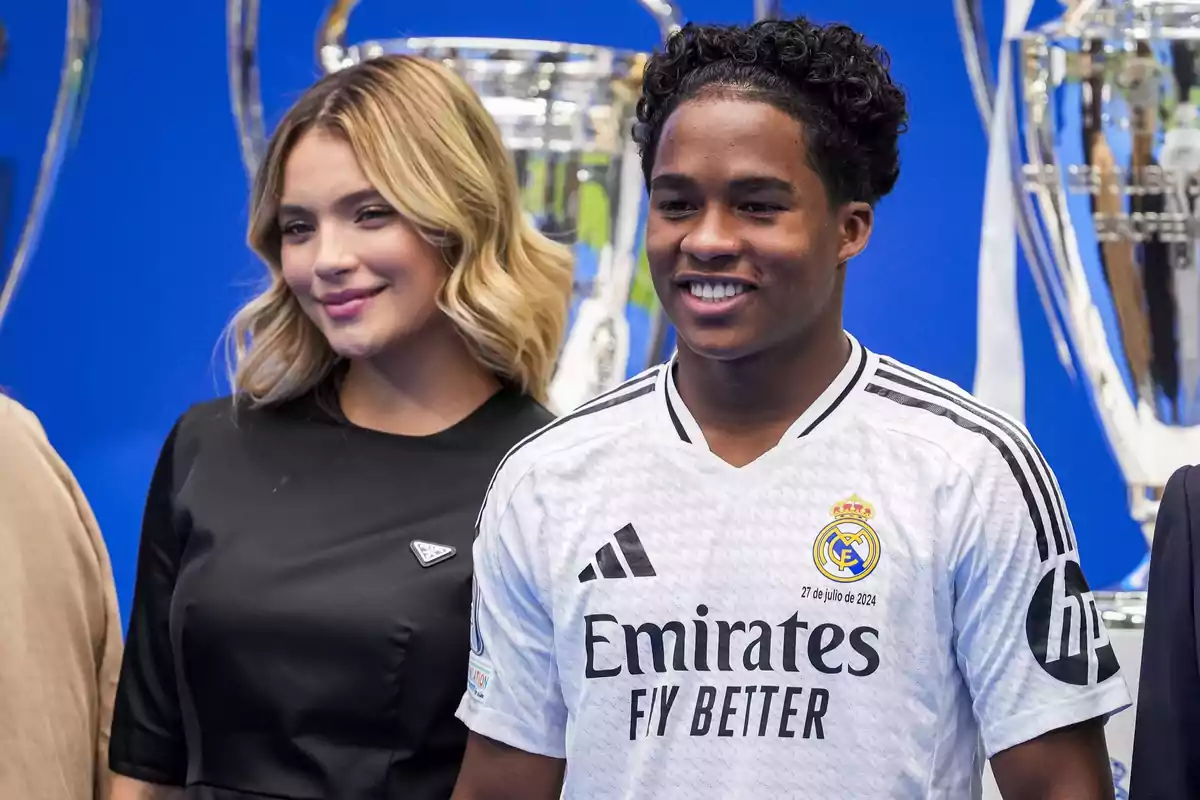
{"x": 853, "y": 507}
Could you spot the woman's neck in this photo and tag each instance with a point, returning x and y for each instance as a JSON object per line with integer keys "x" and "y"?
{"x": 419, "y": 388}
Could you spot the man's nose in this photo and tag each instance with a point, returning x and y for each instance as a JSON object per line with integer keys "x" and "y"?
{"x": 713, "y": 237}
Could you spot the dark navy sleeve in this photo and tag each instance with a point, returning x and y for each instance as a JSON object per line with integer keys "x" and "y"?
{"x": 1166, "y": 752}
{"x": 147, "y": 741}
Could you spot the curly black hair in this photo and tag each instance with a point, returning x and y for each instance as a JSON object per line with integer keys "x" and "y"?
{"x": 825, "y": 76}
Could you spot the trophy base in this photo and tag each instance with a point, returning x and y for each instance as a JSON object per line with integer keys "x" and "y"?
{"x": 1138, "y": 580}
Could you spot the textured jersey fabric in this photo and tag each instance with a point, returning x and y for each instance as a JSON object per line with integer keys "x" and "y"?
{"x": 60, "y": 630}
{"x": 869, "y": 609}
{"x": 300, "y": 621}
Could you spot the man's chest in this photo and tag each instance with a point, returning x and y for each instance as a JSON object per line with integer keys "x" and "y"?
{"x": 837, "y": 544}
{"x": 749, "y": 609}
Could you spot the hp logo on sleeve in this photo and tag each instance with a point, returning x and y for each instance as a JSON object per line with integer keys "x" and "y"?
{"x": 1064, "y": 629}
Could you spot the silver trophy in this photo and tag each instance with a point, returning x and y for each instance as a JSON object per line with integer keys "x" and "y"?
{"x": 1104, "y": 136}
{"x": 566, "y": 112}
{"x": 82, "y": 33}
{"x": 1092, "y": 163}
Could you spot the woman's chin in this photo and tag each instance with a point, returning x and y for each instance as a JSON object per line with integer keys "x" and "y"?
{"x": 354, "y": 348}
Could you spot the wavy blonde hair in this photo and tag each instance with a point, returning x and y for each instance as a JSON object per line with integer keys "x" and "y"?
{"x": 426, "y": 143}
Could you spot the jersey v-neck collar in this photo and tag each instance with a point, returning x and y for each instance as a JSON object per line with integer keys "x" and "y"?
{"x": 854, "y": 376}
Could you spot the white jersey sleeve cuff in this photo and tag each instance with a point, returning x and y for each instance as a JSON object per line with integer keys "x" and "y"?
{"x": 1099, "y": 701}
{"x": 508, "y": 730}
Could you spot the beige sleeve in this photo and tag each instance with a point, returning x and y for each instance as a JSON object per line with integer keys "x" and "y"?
{"x": 60, "y": 631}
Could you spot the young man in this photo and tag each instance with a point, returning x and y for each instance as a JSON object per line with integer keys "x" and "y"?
{"x": 779, "y": 565}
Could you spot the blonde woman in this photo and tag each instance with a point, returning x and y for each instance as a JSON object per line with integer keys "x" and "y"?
{"x": 59, "y": 625}
{"x": 301, "y": 614}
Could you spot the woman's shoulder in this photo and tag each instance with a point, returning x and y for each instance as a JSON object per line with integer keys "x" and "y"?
{"x": 220, "y": 411}
{"x": 212, "y": 435}
{"x": 521, "y": 414}
{"x": 230, "y": 415}
{"x": 200, "y": 423}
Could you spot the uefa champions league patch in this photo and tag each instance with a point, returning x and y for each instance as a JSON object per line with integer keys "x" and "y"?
{"x": 479, "y": 675}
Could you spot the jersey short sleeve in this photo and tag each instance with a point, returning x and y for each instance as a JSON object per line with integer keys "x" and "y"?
{"x": 1030, "y": 640}
{"x": 513, "y": 693}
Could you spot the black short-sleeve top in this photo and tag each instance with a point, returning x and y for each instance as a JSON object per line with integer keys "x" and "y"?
{"x": 300, "y": 622}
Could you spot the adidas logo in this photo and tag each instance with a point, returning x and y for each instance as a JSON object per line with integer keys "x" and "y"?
{"x": 428, "y": 553}
{"x": 609, "y": 563}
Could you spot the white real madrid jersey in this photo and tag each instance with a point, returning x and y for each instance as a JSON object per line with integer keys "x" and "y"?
{"x": 866, "y": 611}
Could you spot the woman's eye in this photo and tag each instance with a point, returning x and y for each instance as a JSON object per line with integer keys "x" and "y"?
{"x": 295, "y": 228}
{"x": 374, "y": 214}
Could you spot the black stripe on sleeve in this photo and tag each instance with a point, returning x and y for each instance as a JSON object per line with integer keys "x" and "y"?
{"x": 1051, "y": 494}
{"x": 1001, "y": 446}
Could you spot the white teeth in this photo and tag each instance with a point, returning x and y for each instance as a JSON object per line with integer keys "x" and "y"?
{"x": 715, "y": 291}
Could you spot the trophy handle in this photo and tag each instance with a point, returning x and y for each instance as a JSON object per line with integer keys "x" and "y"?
{"x": 767, "y": 9}
{"x": 79, "y": 60}
{"x": 332, "y": 52}
{"x": 972, "y": 34}
{"x": 245, "y": 93}
{"x": 667, "y": 14}
{"x": 331, "y": 36}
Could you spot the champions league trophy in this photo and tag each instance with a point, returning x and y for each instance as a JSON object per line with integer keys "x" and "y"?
{"x": 1094, "y": 165}
{"x": 83, "y": 30}
{"x": 565, "y": 112}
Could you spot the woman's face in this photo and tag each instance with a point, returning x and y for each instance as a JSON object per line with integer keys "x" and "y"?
{"x": 362, "y": 273}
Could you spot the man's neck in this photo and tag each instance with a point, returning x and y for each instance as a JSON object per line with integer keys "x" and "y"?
{"x": 421, "y": 388}
{"x": 744, "y": 406}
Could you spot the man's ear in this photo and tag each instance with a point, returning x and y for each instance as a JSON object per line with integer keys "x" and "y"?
{"x": 855, "y": 222}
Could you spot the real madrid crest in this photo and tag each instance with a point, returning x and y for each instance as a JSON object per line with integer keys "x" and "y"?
{"x": 847, "y": 549}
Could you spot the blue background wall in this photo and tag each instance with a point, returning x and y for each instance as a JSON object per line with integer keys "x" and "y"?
{"x": 142, "y": 260}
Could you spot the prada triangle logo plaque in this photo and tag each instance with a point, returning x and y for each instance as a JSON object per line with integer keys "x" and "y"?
{"x": 429, "y": 553}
